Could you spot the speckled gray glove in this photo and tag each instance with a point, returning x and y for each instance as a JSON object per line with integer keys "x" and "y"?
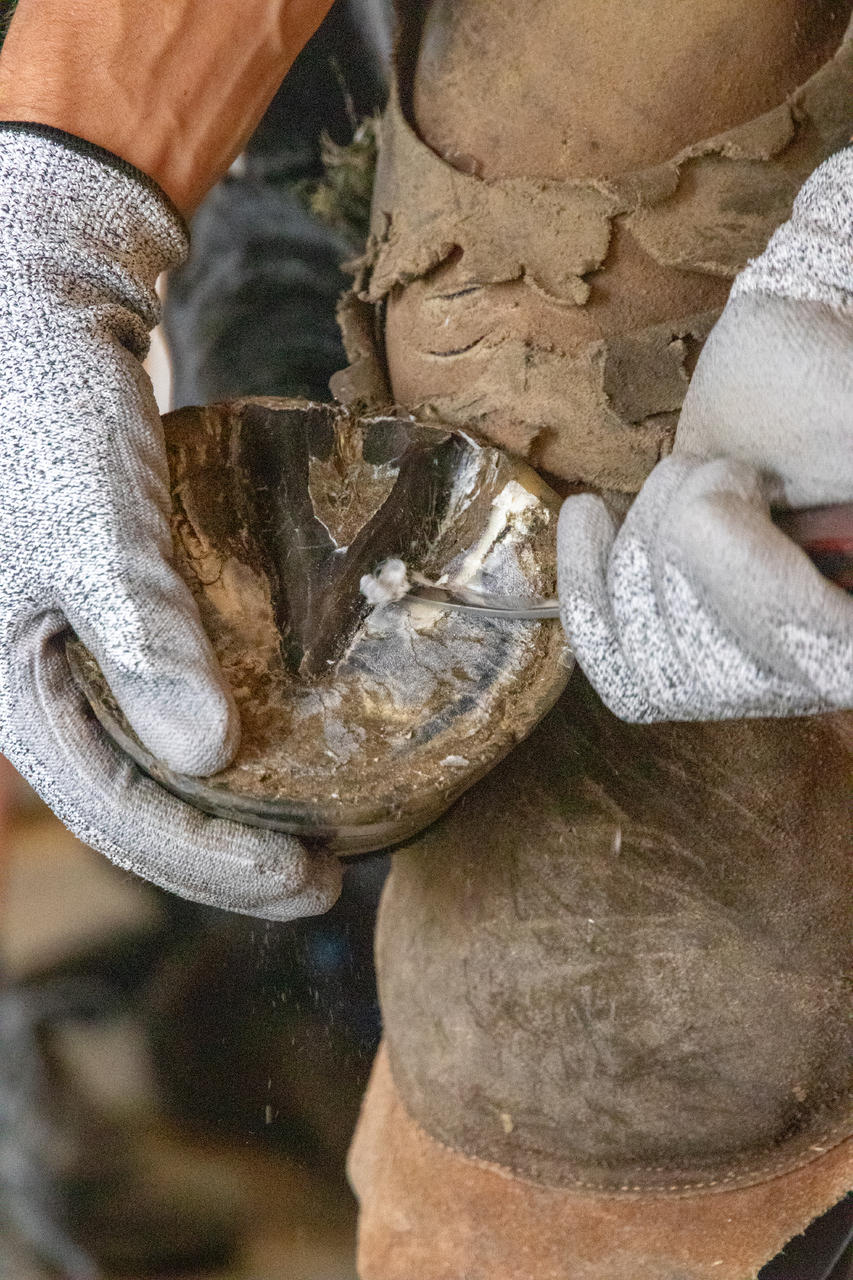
{"x": 84, "y": 537}
{"x": 696, "y": 606}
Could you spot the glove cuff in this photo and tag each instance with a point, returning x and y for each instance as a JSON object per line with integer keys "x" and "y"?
{"x": 810, "y": 258}
{"x": 58, "y": 189}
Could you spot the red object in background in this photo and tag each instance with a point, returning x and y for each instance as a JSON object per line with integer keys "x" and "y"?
{"x": 826, "y": 535}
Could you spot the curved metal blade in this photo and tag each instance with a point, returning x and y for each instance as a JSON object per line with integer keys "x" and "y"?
{"x": 463, "y": 600}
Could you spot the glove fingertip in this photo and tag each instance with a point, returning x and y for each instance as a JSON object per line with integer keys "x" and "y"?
{"x": 586, "y": 531}
{"x": 201, "y": 736}
{"x": 322, "y": 888}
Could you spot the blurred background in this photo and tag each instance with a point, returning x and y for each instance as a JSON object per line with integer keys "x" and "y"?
{"x": 198, "y": 1074}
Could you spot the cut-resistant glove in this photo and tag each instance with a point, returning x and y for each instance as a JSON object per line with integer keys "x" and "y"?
{"x": 696, "y": 606}
{"x": 85, "y": 541}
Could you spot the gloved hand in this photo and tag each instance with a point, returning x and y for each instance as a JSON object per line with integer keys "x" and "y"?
{"x": 84, "y": 537}
{"x": 696, "y": 606}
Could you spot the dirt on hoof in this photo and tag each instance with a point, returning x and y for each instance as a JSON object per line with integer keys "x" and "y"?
{"x": 359, "y": 725}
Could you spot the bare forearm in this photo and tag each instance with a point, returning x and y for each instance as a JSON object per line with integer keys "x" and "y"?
{"x": 173, "y": 86}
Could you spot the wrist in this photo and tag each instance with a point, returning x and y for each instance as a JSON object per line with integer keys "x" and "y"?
{"x": 167, "y": 85}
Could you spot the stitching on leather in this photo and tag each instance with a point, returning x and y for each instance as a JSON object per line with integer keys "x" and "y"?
{"x": 735, "y": 1180}
{"x": 742, "y": 1175}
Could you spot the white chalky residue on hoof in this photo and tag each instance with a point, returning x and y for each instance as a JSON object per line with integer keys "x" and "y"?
{"x": 342, "y": 740}
{"x": 512, "y": 510}
{"x": 388, "y": 585}
{"x": 512, "y": 507}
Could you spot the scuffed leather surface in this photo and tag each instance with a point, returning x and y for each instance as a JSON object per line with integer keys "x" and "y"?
{"x": 429, "y": 1213}
{"x": 619, "y": 961}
